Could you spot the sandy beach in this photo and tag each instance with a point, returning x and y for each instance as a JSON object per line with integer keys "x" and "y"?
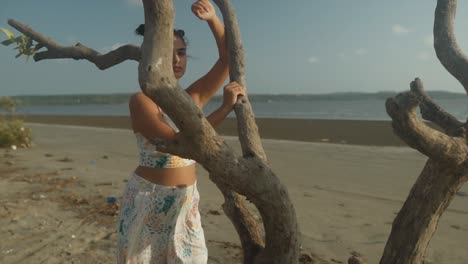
{"x": 347, "y": 180}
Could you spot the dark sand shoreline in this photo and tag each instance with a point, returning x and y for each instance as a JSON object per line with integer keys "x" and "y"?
{"x": 354, "y": 132}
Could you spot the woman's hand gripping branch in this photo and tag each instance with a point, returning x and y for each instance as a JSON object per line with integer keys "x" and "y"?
{"x": 231, "y": 93}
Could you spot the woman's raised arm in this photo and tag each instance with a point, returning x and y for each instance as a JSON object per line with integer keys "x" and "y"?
{"x": 205, "y": 87}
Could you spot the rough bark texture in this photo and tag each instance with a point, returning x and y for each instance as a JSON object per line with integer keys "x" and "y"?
{"x": 430, "y": 142}
{"x": 77, "y": 52}
{"x": 246, "y": 226}
{"x": 434, "y": 113}
{"x": 247, "y": 175}
{"x": 447, "y": 167}
{"x": 247, "y": 128}
{"x": 445, "y": 43}
{"x": 417, "y": 221}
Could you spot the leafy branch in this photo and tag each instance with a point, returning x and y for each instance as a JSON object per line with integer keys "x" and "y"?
{"x": 24, "y": 44}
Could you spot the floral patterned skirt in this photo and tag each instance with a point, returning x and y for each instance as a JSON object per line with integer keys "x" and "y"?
{"x": 160, "y": 224}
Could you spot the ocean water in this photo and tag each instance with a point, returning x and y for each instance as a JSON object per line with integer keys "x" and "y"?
{"x": 297, "y": 107}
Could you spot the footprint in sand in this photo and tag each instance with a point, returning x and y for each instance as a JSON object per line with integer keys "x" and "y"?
{"x": 66, "y": 159}
{"x": 214, "y": 212}
{"x": 8, "y": 155}
{"x": 348, "y": 216}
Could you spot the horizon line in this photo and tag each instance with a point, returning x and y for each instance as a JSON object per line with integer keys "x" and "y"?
{"x": 249, "y": 94}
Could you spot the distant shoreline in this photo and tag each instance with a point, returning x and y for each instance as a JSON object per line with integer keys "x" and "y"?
{"x": 354, "y": 132}
{"x": 118, "y": 98}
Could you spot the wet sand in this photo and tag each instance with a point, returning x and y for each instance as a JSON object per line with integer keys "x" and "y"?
{"x": 355, "y": 132}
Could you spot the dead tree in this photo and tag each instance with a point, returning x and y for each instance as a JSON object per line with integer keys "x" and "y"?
{"x": 248, "y": 175}
{"x": 447, "y": 167}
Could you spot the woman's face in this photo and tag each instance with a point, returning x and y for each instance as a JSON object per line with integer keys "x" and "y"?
{"x": 179, "y": 58}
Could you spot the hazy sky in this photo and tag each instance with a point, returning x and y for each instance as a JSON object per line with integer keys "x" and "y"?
{"x": 298, "y": 46}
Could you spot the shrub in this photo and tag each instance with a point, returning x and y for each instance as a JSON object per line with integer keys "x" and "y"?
{"x": 14, "y": 133}
{"x": 12, "y": 130}
{"x": 7, "y": 104}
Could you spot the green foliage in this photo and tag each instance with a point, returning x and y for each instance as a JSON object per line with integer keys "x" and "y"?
{"x": 12, "y": 130}
{"x": 24, "y": 44}
{"x": 9, "y": 34}
{"x": 7, "y": 104}
{"x": 14, "y": 133}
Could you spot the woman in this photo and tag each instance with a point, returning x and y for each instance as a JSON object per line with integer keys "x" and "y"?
{"x": 159, "y": 218}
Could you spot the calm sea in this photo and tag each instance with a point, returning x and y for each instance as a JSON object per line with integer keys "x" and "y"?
{"x": 351, "y": 109}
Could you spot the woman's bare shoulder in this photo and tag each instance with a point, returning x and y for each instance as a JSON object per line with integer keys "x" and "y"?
{"x": 139, "y": 103}
{"x": 140, "y": 98}
{"x": 146, "y": 119}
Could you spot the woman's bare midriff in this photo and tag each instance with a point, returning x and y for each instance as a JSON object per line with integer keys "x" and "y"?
{"x": 175, "y": 177}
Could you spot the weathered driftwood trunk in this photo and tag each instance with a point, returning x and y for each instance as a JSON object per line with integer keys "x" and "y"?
{"x": 248, "y": 175}
{"x": 417, "y": 221}
{"x": 246, "y": 226}
{"x": 447, "y": 167}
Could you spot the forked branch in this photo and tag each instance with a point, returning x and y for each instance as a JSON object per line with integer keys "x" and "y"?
{"x": 431, "y": 111}
{"x": 248, "y": 175}
{"x": 247, "y": 128}
{"x": 446, "y": 170}
{"x": 430, "y": 142}
{"x": 77, "y": 52}
{"x": 234, "y": 207}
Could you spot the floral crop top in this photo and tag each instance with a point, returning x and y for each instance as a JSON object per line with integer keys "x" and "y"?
{"x": 151, "y": 157}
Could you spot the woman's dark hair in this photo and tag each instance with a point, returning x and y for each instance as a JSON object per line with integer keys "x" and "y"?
{"x": 140, "y": 30}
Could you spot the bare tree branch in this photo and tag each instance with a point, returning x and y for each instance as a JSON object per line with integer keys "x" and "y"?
{"x": 247, "y": 128}
{"x": 248, "y": 176}
{"x": 245, "y": 224}
{"x": 234, "y": 41}
{"x": 434, "y": 113}
{"x": 78, "y": 52}
{"x": 418, "y": 135}
{"x": 234, "y": 208}
{"x": 176, "y": 147}
{"x": 417, "y": 221}
{"x": 445, "y": 43}
{"x": 447, "y": 168}
{"x": 242, "y": 219}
